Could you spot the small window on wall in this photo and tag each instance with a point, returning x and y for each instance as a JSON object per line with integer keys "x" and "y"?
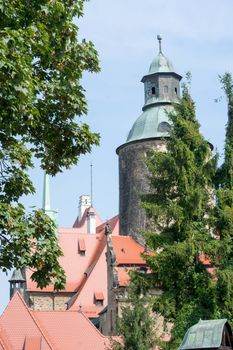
{"x": 176, "y": 91}
{"x": 153, "y": 90}
{"x": 164, "y": 127}
{"x": 165, "y": 89}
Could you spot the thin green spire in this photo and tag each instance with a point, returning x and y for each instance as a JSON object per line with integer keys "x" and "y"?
{"x": 46, "y": 199}
{"x": 46, "y": 194}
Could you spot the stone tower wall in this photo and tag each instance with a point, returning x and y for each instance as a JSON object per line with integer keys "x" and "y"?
{"x": 133, "y": 180}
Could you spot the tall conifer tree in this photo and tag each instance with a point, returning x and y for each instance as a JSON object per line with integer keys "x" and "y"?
{"x": 224, "y": 213}
{"x": 180, "y": 204}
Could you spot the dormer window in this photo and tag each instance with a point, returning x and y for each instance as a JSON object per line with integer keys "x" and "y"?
{"x": 99, "y": 298}
{"x": 163, "y": 127}
{"x": 81, "y": 247}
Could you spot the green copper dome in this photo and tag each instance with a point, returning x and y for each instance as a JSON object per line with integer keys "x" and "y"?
{"x": 161, "y": 65}
{"x": 152, "y": 123}
{"x": 161, "y": 89}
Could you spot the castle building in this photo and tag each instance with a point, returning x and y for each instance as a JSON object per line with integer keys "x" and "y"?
{"x": 161, "y": 88}
{"x": 97, "y": 260}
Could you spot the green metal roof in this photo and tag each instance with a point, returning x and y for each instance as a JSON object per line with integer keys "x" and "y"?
{"x": 161, "y": 65}
{"x": 204, "y": 334}
{"x": 149, "y": 124}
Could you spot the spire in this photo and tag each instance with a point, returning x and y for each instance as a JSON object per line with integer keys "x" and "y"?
{"x": 159, "y": 38}
{"x": 46, "y": 194}
{"x": 46, "y": 200}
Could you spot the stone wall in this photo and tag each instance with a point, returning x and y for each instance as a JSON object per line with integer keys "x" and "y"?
{"x": 49, "y": 301}
{"x": 133, "y": 180}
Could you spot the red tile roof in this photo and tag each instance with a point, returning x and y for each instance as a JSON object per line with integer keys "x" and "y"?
{"x": 4, "y": 342}
{"x": 205, "y": 261}
{"x": 78, "y": 266}
{"x": 71, "y": 330}
{"x": 95, "y": 280}
{"x": 58, "y": 330}
{"x": 90, "y": 311}
{"x": 127, "y": 251}
{"x": 32, "y": 343}
{"x": 123, "y": 276}
{"x": 96, "y": 274}
{"x": 18, "y": 323}
{"x": 74, "y": 263}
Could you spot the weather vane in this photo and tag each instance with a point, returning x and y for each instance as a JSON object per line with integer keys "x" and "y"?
{"x": 160, "y": 43}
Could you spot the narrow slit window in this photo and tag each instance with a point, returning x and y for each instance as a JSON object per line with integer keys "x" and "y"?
{"x": 153, "y": 90}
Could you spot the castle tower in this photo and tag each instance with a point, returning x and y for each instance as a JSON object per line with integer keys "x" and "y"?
{"x": 161, "y": 87}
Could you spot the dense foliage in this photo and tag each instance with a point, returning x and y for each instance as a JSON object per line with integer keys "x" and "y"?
{"x": 136, "y": 324}
{"x": 224, "y": 213}
{"x": 180, "y": 205}
{"x": 41, "y": 64}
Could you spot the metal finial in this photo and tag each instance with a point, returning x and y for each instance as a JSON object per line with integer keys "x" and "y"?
{"x": 159, "y": 38}
{"x": 91, "y": 186}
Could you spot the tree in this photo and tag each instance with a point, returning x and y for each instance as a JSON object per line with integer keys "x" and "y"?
{"x": 180, "y": 205}
{"x": 136, "y": 322}
{"x": 224, "y": 213}
{"x": 41, "y": 97}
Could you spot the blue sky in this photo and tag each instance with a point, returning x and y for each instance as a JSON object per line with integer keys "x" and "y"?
{"x": 197, "y": 37}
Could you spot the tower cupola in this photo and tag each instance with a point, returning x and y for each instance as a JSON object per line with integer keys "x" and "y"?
{"x": 161, "y": 88}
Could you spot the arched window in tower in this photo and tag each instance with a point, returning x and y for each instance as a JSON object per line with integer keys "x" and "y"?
{"x": 164, "y": 127}
{"x": 153, "y": 90}
{"x": 165, "y": 89}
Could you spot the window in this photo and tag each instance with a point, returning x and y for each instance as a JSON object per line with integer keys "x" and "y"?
{"x": 176, "y": 91}
{"x": 99, "y": 298}
{"x": 165, "y": 89}
{"x": 81, "y": 247}
{"x": 163, "y": 127}
{"x": 153, "y": 90}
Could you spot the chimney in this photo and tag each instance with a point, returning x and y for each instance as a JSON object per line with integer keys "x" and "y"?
{"x": 84, "y": 203}
{"x": 91, "y": 222}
